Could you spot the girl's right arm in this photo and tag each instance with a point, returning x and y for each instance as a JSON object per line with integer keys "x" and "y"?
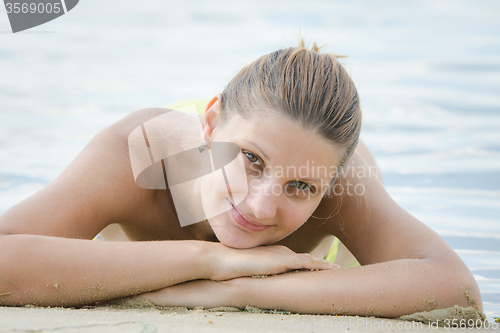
{"x": 55, "y": 271}
{"x": 47, "y": 257}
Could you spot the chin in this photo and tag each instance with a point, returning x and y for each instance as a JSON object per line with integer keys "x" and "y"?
{"x": 236, "y": 241}
{"x": 233, "y": 237}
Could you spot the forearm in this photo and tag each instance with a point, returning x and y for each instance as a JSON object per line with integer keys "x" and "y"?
{"x": 55, "y": 271}
{"x": 388, "y": 289}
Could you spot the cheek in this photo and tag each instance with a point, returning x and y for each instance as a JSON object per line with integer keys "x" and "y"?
{"x": 227, "y": 183}
{"x": 297, "y": 214}
{"x": 214, "y": 195}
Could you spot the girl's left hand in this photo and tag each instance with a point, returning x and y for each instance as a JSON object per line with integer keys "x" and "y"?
{"x": 206, "y": 293}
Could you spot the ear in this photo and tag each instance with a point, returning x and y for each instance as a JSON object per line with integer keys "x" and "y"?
{"x": 211, "y": 119}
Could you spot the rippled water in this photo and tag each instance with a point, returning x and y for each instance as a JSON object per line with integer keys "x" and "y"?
{"x": 427, "y": 72}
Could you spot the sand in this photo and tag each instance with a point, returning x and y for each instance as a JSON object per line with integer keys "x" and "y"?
{"x": 138, "y": 315}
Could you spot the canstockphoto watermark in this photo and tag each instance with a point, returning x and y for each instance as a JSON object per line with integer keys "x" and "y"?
{"x": 26, "y": 14}
{"x": 367, "y": 324}
{"x": 353, "y": 324}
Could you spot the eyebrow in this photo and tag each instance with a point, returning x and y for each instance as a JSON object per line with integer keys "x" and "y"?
{"x": 256, "y": 146}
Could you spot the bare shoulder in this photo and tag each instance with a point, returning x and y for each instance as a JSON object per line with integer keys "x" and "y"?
{"x": 362, "y": 214}
{"x": 95, "y": 190}
{"x": 126, "y": 125}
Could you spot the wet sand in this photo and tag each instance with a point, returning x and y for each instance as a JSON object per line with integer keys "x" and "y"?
{"x": 136, "y": 315}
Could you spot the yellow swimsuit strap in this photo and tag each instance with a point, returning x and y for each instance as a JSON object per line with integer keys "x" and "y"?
{"x": 332, "y": 253}
{"x": 200, "y": 104}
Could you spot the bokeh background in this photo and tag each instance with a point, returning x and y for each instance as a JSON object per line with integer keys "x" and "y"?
{"x": 427, "y": 72}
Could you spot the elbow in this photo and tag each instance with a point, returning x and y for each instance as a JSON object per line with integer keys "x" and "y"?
{"x": 457, "y": 286}
{"x": 468, "y": 293}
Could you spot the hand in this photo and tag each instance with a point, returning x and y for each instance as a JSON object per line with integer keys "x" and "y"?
{"x": 230, "y": 263}
{"x": 206, "y": 293}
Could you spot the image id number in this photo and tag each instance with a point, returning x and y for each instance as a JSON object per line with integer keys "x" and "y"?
{"x": 41, "y": 7}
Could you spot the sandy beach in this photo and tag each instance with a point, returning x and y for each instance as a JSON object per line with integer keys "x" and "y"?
{"x": 141, "y": 316}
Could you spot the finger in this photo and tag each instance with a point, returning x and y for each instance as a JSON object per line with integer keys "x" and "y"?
{"x": 312, "y": 262}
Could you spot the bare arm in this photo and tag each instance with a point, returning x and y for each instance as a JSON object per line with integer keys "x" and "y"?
{"x": 407, "y": 267}
{"x": 389, "y": 289}
{"x": 53, "y": 271}
{"x": 57, "y": 271}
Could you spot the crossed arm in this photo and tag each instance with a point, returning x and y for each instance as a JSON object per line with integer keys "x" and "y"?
{"x": 389, "y": 289}
{"x": 407, "y": 267}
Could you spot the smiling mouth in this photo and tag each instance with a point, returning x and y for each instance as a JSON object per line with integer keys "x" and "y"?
{"x": 244, "y": 223}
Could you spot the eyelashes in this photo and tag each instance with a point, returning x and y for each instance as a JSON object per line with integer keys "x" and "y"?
{"x": 299, "y": 185}
{"x": 252, "y": 158}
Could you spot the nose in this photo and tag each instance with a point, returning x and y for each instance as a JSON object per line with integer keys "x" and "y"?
{"x": 263, "y": 198}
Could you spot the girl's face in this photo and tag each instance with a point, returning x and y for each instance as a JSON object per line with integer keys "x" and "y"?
{"x": 287, "y": 169}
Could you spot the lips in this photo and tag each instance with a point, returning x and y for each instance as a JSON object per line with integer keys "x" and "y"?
{"x": 242, "y": 222}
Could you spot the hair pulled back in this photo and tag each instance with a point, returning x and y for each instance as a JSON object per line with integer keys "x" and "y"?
{"x": 307, "y": 87}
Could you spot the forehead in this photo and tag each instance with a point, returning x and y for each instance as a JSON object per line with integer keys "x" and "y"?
{"x": 286, "y": 143}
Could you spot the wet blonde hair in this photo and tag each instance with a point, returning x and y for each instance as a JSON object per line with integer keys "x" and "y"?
{"x": 304, "y": 85}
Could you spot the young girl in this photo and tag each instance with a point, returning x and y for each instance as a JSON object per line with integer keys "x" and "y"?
{"x": 293, "y": 109}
